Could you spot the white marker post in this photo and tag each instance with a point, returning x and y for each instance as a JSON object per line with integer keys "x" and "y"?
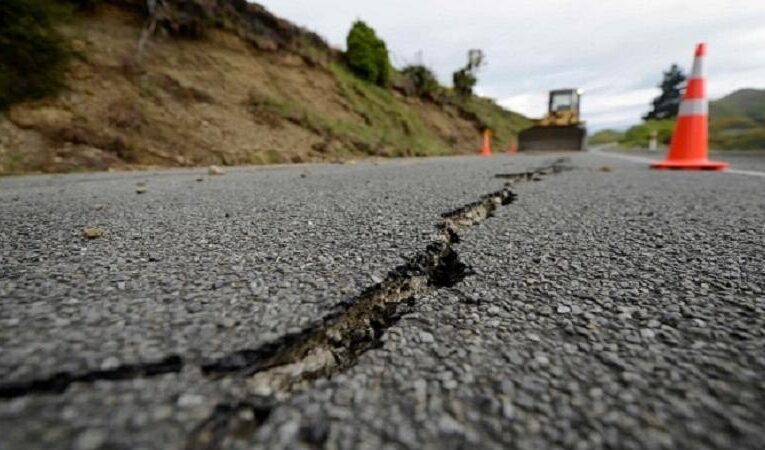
{"x": 652, "y": 142}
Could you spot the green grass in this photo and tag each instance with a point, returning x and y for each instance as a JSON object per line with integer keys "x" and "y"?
{"x": 281, "y": 107}
{"x": 737, "y": 139}
{"x": 273, "y": 157}
{"x": 389, "y": 123}
{"x": 728, "y": 133}
{"x": 388, "y": 126}
{"x": 504, "y": 124}
{"x": 638, "y": 136}
{"x": 746, "y": 104}
{"x": 606, "y": 137}
{"x": 736, "y": 122}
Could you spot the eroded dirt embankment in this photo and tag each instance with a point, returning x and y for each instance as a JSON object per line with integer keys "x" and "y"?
{"x": 267, "y": 93}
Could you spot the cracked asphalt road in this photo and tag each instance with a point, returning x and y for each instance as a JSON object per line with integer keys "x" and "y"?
{"x": 614, "y": 307}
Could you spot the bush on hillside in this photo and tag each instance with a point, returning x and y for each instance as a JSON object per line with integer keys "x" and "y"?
{"x": 422, "y": 79}
{"x": 33, "y": 55}
{"x": 367, "y": 55}
{"x": 464, "y": 82}
{"x": 465, "y": 78}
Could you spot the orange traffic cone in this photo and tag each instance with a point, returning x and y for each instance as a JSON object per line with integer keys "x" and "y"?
{"x": 486, "y": 149}
{"x": 689, "y": 146}
{"x": 513, "y": 148}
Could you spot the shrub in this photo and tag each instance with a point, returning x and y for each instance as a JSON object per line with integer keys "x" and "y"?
{"x": 465, "y": 79}
{"x": 464, "y": 82}
{"x": 423, "y": 79}
{"x": 367, "y": 55}
{"x": 33, "y": 54}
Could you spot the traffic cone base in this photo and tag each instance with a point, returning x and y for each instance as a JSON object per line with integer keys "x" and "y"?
{"x": 701, "y": 164}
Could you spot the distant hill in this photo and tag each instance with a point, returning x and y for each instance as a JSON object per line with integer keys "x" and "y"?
{"x": 748, "y": 103}
{"x": 736, "y": 122}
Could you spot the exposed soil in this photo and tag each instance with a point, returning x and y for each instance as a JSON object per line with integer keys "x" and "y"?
{"x": 188, "y": 102}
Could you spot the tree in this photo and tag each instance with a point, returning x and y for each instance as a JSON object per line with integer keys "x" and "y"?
{"x": 465, "y": 78}
{"x": 666, "y": 105}
{"x": 367, "y": 55}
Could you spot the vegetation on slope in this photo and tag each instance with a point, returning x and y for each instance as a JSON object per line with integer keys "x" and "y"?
{"x": 486, "y": 113}
{"x": 606, "y": 136}
{"x": 241, "y": 87}
{"x": 638, "y": 136}
{"x": 367, "y": 55}
{"x": 418, "y": 80}
{"x": 746, "y": 103}
{"x": 465, "y": 79}
{"x": 33, "y": 54}
{"x": 388, "y": 127}
{"x": 736, "y": 122}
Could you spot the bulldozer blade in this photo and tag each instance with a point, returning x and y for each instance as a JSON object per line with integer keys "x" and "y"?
{"x": 552, "y": 138}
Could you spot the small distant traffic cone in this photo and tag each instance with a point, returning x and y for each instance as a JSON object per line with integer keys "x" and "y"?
{"x": 486, "y": 149}
{"x": 513, "y": 148}
{"x": 690, "y": 146}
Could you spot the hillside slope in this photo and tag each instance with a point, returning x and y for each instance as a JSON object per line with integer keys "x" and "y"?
{"x": 749, "y": 103}
{"x": 737, "y": 121}
{"x": 224, "y": 82}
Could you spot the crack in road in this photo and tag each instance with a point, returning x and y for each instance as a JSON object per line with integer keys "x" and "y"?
{"x": 238, "y": 419}
{"x": 59, "y": 382}
{"x": 332, "y": 346}
{"x": 323, "y": 349}
{"x": 354, "y": 322}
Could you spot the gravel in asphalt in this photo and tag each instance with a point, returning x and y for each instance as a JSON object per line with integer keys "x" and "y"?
{"x": 614, "y": 307}
{"x": 200, "y": 269}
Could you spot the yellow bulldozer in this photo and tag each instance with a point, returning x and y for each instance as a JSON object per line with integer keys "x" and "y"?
{"x": 562, "y": 127}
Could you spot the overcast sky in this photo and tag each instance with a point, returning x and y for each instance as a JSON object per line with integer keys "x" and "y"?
{"x": 614, "y": 49}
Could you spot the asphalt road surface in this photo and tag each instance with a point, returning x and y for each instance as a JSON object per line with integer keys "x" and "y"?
{"x": 505, "y": 302}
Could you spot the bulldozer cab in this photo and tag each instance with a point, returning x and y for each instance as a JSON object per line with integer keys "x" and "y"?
{"x": 562, "y": 108}
{"x": 563, "y": 100}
